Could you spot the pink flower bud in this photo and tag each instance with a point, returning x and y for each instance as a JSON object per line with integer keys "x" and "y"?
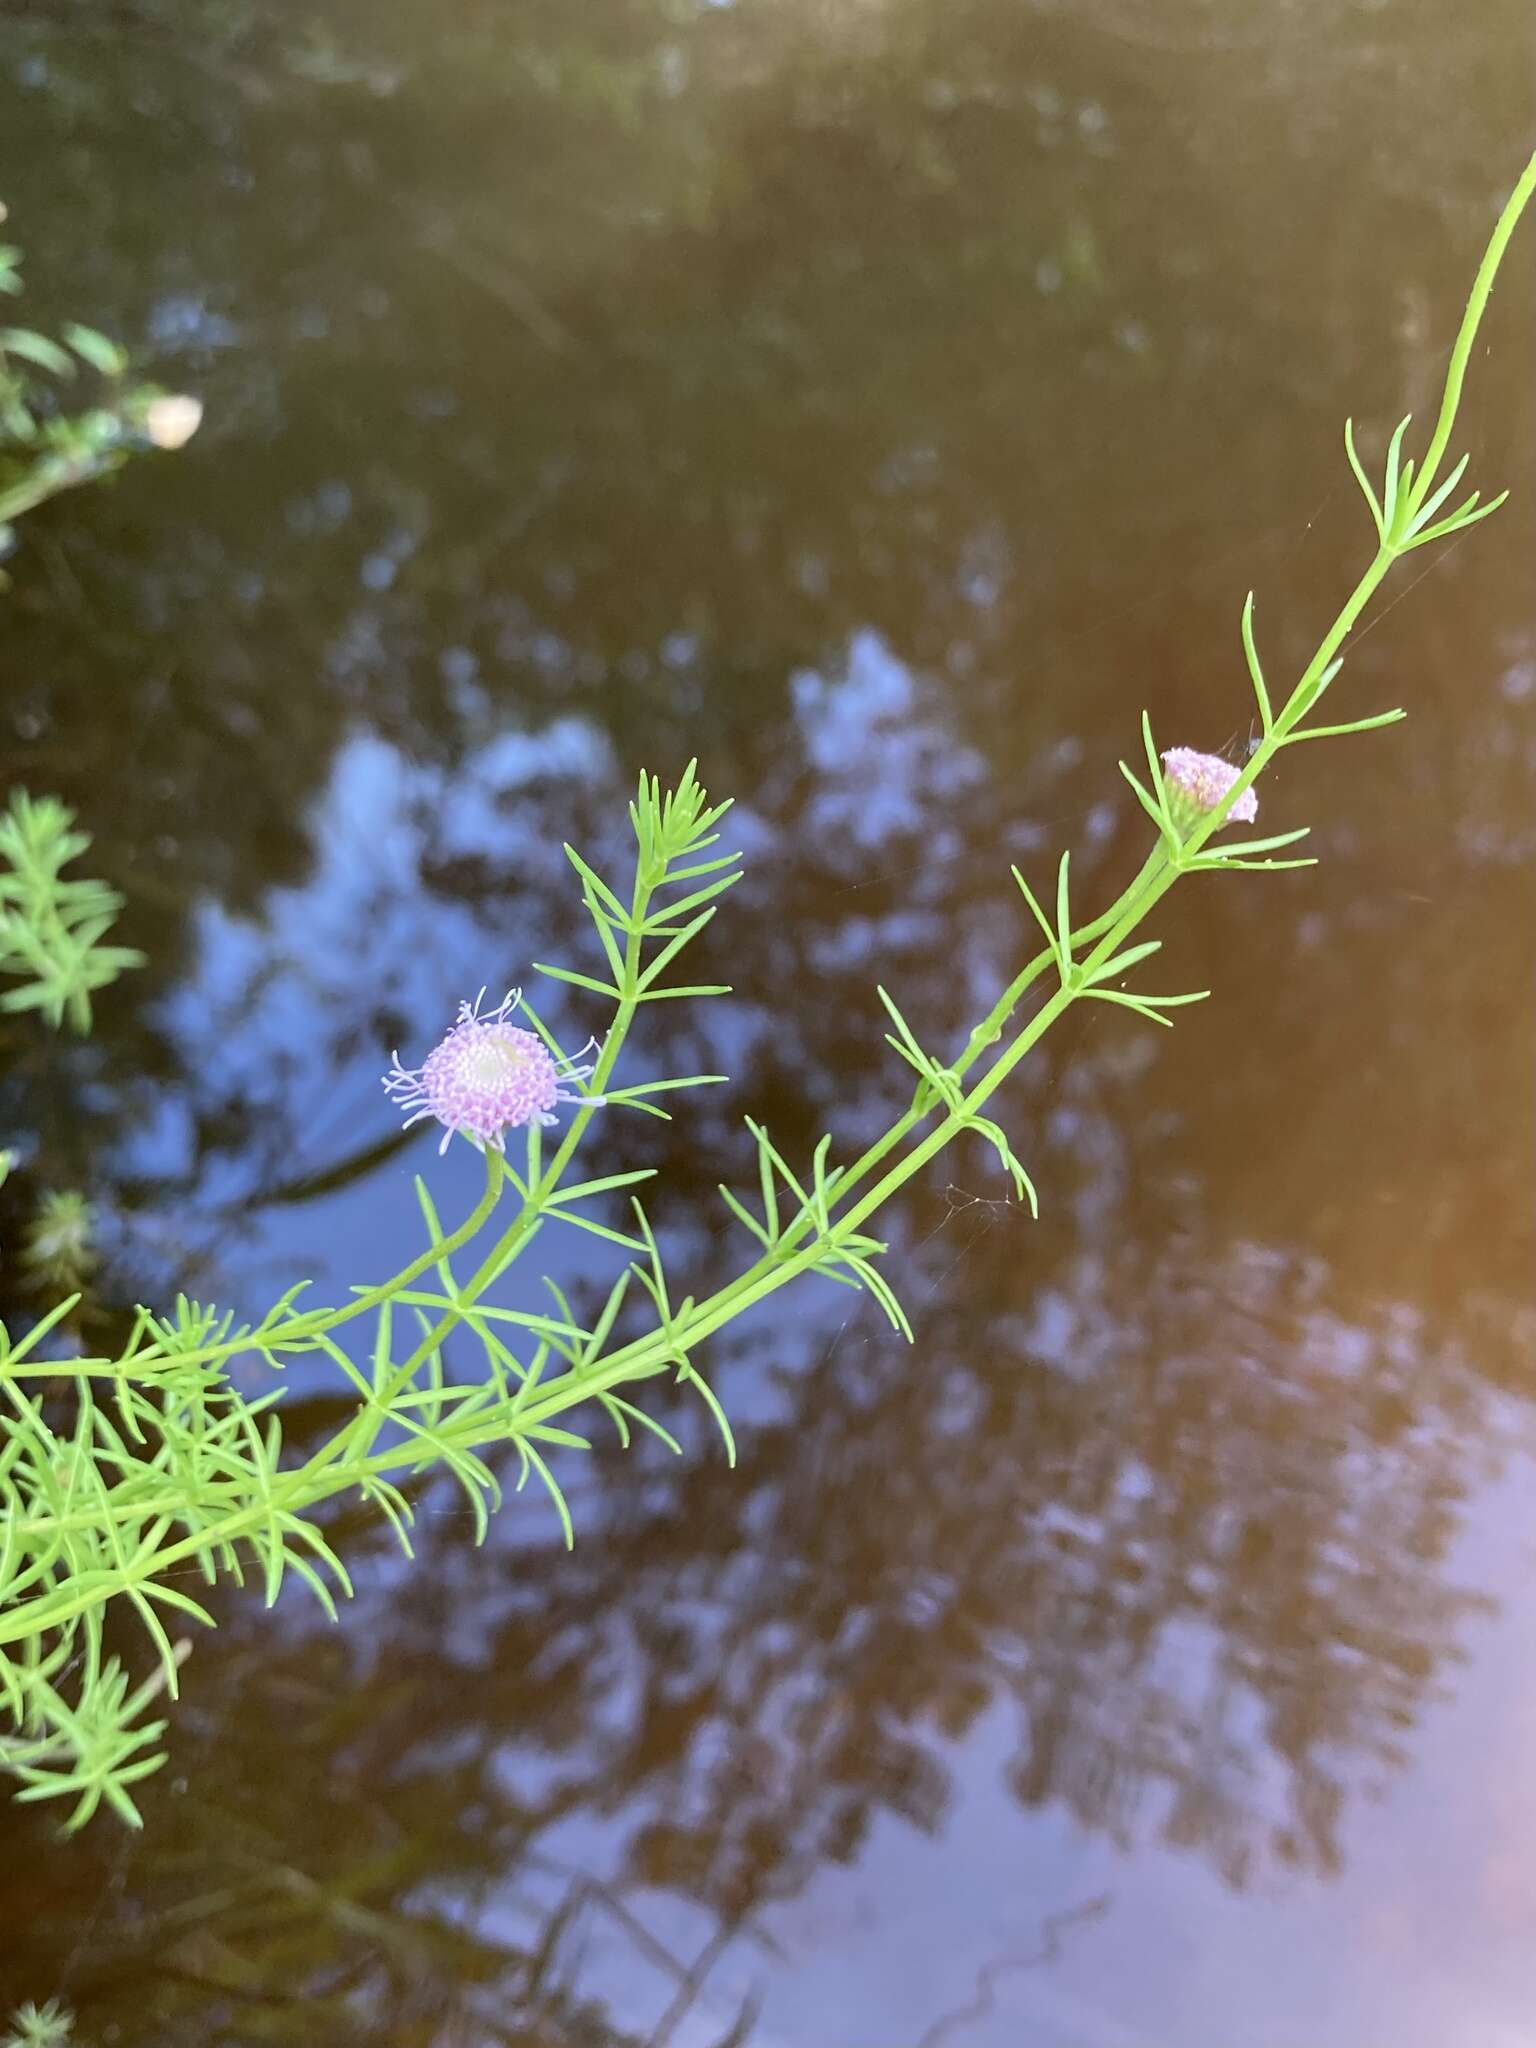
{"x": 1198, "y": 783}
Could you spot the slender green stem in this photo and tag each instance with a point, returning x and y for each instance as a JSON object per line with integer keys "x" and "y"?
{"x": 647, "y": 1355}
{"x": 45, "y": 482}
{"x": 1471, "y": 319}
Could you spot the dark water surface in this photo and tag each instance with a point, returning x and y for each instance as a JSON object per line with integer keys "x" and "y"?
{"x": 883, "y": 400}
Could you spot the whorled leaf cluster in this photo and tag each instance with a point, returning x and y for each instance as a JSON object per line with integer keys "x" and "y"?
{"x": 52, "y": 925}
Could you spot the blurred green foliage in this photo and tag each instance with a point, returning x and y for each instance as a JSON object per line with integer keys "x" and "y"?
{"x": 40, "y": 2026}
{"x": 48, "y": 444}
{"x": 52, "y": 925}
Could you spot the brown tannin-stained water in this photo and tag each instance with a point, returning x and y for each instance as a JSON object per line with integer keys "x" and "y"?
{"x": 882, "y": 400}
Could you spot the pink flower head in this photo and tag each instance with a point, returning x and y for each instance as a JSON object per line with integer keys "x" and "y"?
{"x": 486, "y": 1078}
{"x": 1203, "y": 781}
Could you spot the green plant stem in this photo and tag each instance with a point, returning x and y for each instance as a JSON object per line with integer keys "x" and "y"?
{"x": 47, "y": 480}
{"x": 530, "y": 1415}
{"x": 331, "y": 1471}
{"x": 650, "y": 1354}
{"x": 1471, "y": 319}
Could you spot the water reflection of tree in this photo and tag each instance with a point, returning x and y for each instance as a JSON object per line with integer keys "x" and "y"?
{"x": 1168, "y": 1512}
{"x": 806, "y": 388}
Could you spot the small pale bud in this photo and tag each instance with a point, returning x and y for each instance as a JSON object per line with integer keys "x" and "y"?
{"x": 1199, "y": 783}
{"x": 171, "y": 422}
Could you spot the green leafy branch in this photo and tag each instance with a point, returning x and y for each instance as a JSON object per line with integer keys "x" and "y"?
{"x": 52, "y": 926}
{"x": 48, "y": 446}
{"x": 158, "y": 1463}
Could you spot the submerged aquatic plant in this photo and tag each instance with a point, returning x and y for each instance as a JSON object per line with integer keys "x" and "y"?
{"x": 160, "y": 1464}
{"x": 59, "y": 1252}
